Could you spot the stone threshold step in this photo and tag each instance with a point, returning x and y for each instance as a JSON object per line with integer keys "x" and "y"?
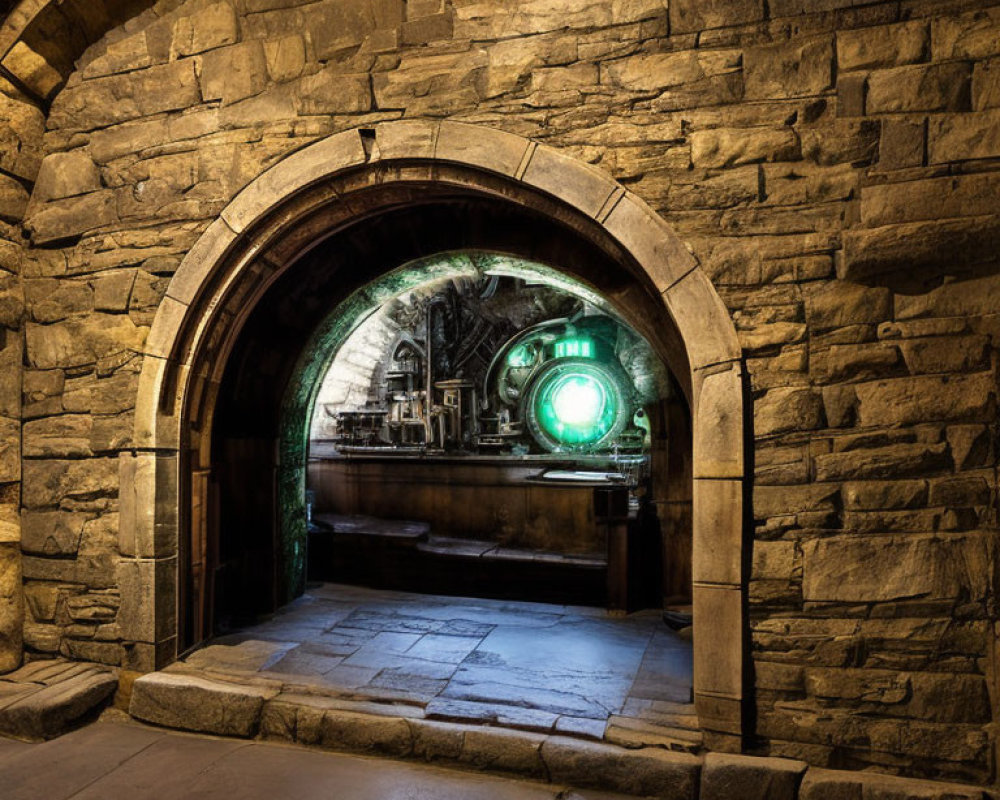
{"x": 45, "y": 699}
{"x": 193, "y": 703}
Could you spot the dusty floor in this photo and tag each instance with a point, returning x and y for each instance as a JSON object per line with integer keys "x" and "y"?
{"x": 527, "y": 665}
{"x": 125, "y": 760}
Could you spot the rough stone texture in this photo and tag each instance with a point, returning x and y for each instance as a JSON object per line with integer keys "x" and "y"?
{"x": 832, "y": 166}
{"x": 45, "y": 699}
{"x": 730, "y": 777}
{"x": 185, "y": 701}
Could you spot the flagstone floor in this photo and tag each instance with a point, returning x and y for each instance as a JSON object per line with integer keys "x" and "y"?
{"x": 535, "y": 666}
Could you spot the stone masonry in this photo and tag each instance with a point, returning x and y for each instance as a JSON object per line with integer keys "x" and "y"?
{"x": 834, "y": 166}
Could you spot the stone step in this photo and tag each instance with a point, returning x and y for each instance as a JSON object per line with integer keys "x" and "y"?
{"x": 631, "y": 732}
{"x": 46, "y": 699}
{"x": 197, "y": 703}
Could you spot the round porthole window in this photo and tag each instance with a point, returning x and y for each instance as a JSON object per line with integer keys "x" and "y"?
{"x": 576, "y": 404}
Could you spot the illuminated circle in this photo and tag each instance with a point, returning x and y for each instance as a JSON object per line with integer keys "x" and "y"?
{"x": 577, "y": 404}
{"x": 578, "y": 401}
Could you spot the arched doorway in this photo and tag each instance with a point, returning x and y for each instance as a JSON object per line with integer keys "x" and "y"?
{"x": 606, "y": 238}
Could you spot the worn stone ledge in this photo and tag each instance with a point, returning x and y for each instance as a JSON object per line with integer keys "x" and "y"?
{"x": 259, "y": 708}
{"x": 45, "y": 699}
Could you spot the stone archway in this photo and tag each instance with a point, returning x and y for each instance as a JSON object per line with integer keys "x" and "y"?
{"x": 241, "y": 253}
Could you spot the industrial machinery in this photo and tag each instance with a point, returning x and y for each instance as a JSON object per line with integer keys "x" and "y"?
{"x": 486, "y": 367}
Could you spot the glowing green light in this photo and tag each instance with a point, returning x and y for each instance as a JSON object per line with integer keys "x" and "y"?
{"x": 520, "y": 356}
{"x": 578, "y": 401}
{"x": 576, "y": 407}
{"x": 583, "y": 348}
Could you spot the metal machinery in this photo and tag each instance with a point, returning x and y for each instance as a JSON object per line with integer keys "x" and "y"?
{"x": 467, "y": 381}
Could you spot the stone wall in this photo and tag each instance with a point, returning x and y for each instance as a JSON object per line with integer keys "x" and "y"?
{"x": 834, "y": 172}
{"x": 22, "y": 123}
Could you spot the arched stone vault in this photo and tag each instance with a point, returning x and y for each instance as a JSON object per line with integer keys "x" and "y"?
{"x": 210, "y": 294}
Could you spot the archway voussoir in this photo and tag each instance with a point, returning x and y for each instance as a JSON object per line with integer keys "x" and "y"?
{"x": 662, "y": 254}
{"x": 703, "y": 321}
{"x": 580, "y": 185}
{"x": 200, "y": 261}
{"x": 292, "y": 174}
{"x": 152, "y": 427}
{"x": 487, "y": 148}
{"x": 165, "y": 333}
{"x": 405, "y": 139}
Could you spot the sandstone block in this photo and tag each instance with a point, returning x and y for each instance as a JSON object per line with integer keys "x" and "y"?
{"x": 963, "y": 136}
{"x": 799, "y": 68}
{"x": 884, "y": 494}
{"x": 844, "y": 141}
{"x": 364, "y": 733}
{"x": 946, "y": 354}
{"x": 930, "y": 398}
{"x": 504, "y": 750}
{"x": 775, "y": 561}
{"x": 772, "y": 501}
{"x": 934, "y": 87}
{"x": 118, "y": 98}
{"x": 13, "y": 200}
{"x": 842, "y": 568}
{"x": 804, "y": 184}
{"x": 21, "y": 129}
{"x": 48, "y": 482}
{"x": 213, "y": 26}
{"x": 970, "y": 445}
{"x": 902, "y": 144}
{"x": 821, "y": 784}
{"x": 839, "y": 303}
{"x": 65, "y": 436}
{"x": 986, "y": 85}
{"x": 124, "y": 55}
{"x": 11, "y": 607}
{"x": 854, "y": 362}
{"x": 735, "y": 777}
{"x": 788, "y": 409}
{"x": 851, "y": 92}
{"x": 973, "y": 35}
{"x": 10, "y": 447}
{"x": 286, "y": 57}
{"x": 890, "y": 461}
{"x": 910, "y": 201}
{"x": 67, "y": 175}
{"x": 51, "y": 711}
{"x": 335, "y": 27}
{"x": 657, "y": 71}
{"x": 52, "y": 533}
{"x": 80, "y": 341}
{"x": 193, "y": 703}
{"x": 234, "y": 73}
{"x": 69, "y": 218}
{"x": 672, "y": 776}
{"x": 10, "y": 523}
{"x": 883, "y": 46}
{"x": 730, "y": 147}
{"x": 690, "y": 16}
{"x": 332, "y": 92}
{"x": 931, "y": 246}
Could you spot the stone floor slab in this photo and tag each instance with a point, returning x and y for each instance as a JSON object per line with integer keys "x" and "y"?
{"x": 83, "y": 757}
{"x": 521, "y": 665}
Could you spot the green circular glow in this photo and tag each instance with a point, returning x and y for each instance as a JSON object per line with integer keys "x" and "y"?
{"x": 575, "y": 407}
{"x": 578, "y": 401}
